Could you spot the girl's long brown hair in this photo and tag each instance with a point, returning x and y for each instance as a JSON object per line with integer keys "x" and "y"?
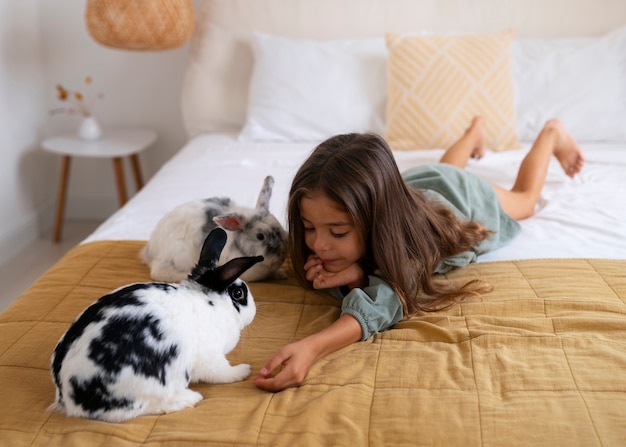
{"x": 405, "y": 235}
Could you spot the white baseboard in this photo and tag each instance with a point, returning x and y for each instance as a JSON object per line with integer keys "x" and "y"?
{"x": 15, "y": 237}
{"x": 21, "y": 233}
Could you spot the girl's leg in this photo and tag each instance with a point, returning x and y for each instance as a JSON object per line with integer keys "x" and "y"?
{"x": 471, "y": 144}
{"x": 519, "y": 202}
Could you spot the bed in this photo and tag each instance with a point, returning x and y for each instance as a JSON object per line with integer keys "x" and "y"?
{"x": 540, "y": 360}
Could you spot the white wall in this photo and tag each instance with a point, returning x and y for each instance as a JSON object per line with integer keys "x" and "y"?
{"x": 24, "y": 177}
{"x": 43, "y": 43}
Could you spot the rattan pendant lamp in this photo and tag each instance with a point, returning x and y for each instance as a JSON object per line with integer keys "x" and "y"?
{"x": 140, "y": 24}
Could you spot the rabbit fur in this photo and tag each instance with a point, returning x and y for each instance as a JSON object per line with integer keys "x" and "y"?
{"x": 134, "y": 351}
{"x": 175, "y": 242}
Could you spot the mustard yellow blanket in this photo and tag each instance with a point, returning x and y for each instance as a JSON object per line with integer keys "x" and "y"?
{"x": 541, "y": 360}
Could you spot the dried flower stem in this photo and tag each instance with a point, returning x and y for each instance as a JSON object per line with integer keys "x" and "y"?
{"x": 76, "y": 99}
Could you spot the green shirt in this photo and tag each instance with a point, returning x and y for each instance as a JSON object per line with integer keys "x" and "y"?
{"x": 377, "y": 307}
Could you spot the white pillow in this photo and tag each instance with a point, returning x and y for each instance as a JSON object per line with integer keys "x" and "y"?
{"x": 580, "y": 81}
{"x": 308, "y": 90}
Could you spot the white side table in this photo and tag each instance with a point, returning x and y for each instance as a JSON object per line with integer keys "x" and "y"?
{"x": 114, "y": 144}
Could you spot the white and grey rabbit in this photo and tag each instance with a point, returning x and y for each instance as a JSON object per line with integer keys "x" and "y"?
{"x": 134, "y": 351}
{"x": 175, "y": 242}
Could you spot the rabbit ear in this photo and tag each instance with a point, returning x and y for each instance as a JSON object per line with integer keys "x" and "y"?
{"x": 208, "y": 273}
{"x": 263, "y": 202}
{"x": 212, "y": 247}
{"x": 233, "y": 269}
{"x": 232, "y": 221}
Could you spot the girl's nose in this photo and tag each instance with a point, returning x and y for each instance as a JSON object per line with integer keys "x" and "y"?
{"x": 321, "y": 242}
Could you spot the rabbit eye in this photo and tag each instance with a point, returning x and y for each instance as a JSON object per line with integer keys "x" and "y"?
{"x": 238, "y": 293}
{"x": 260, "y": 237}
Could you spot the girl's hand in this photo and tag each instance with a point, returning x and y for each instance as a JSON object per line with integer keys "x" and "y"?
{"x": 352, "y": 276}
{"x": 312, "y": 265}
{"x": 295, "y": 359}
{"x": 291, "y": 363}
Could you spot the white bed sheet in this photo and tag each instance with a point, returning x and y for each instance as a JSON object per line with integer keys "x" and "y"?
{"x": 581, "y": 217}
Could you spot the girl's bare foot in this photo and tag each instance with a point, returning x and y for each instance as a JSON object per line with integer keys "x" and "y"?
{"x": 471, "y": 144}
{"x": 566, "y": 150}
{"x": 477, "y": 131}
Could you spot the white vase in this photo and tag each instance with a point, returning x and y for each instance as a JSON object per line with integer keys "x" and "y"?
{"x": 89, "y": 129}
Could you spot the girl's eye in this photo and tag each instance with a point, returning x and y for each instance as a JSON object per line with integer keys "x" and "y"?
{"x": 338, "y": 235}
{"x": 308, "y": 229}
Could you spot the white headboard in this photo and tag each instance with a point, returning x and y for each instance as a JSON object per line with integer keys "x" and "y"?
{"x": 215, "y": 90}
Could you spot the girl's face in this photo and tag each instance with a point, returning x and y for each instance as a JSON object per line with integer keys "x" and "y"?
{"x": 329, "y": 232}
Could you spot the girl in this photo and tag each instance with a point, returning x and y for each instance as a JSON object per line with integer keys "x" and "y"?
{"x": 375, "y": 238}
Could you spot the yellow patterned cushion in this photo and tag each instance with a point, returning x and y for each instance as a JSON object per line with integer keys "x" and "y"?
{"x": 436, "y": 84}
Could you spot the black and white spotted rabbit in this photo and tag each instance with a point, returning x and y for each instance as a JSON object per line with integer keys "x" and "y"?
{"x": 175, "y": 242}
{"x": 134, "y": 351}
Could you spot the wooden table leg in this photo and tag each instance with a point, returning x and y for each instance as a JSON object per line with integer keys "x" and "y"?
{"x": 119, "y": 177}
{"x": 58, "y": 221}
{"x": 134, "y": 160}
